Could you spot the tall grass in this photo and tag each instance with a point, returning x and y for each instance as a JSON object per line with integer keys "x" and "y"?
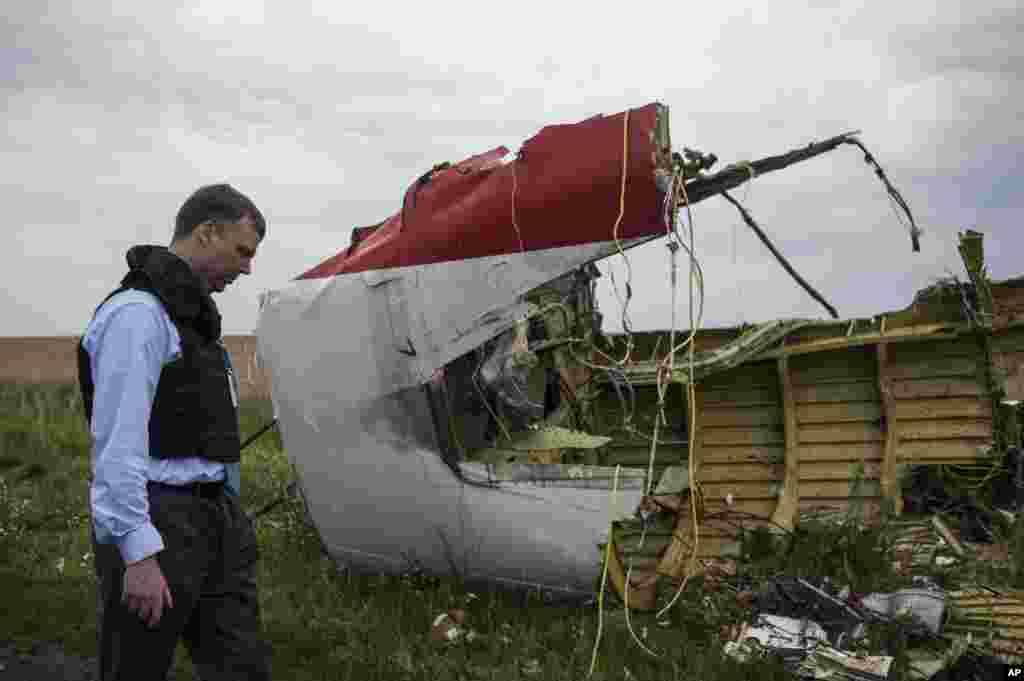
{"x": 323, "y": 623}
{"x": 327, "y": 624}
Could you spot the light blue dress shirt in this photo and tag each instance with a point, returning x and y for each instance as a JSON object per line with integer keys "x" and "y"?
{"x": 129, "y": 341}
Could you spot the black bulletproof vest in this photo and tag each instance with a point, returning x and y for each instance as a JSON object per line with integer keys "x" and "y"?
{"x": 194, "y": 413}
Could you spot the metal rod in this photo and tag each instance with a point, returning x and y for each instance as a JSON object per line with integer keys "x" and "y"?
{"x": 733, "y": 176}
{"x": 262, "y": 430}
{"x": 778, "y": 256}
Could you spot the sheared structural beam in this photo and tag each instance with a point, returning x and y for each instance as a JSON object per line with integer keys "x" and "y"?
{"x": 786, "y": 512}
{"x": 735, "y": 175}
{"x": 972, "y": 252}
{"x": 888, "y": 482}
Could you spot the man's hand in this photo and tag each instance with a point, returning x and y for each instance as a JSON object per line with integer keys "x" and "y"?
{"x": 145, "y": 590}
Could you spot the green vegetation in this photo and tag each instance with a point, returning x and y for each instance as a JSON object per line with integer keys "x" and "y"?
{"x": 326, "y": 624}
{"x": 323, "y": 624}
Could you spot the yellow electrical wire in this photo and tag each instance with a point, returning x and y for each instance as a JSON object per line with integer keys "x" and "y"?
{"x": 618, "y": 244}
{"x": 625, "y": 605}
{"x": 643, "y": 535}
{"x": 629, "y": 270}
{"x": 661, "y": 383}
{"x": 622, "y": 362}
{"x": 694, "y": 262}
{"x": 695, "y": 493}
{"x": 658, "y": 418}
{"x": 662, "y": 386}
{"x": 515, "y": 186}
{"x": 604, "y": 573}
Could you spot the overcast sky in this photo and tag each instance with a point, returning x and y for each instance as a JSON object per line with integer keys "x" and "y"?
{"x": 323, "y": 113}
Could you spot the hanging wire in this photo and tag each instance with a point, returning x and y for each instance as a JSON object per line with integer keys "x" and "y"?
{"x": 515, "y": 188}
{"x": 695, "y": 491}
{"x": 662, "y": 388}
{"x": 896, "y": 199}
{"x": 624, "y": 304}
{"x": 604, "y": 572}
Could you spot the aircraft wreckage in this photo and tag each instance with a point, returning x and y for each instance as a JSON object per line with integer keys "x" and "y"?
{"x": 450, "y": 403}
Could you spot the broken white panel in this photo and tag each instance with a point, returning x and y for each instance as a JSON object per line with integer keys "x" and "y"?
{"x": 926, "y": 606}
{"x": 785, "y": 633}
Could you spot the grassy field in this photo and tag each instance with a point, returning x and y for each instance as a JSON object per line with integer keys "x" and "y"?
{"x": 325, "y": 624}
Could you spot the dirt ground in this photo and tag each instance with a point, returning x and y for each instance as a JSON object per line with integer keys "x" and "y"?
{"x": 45, "y": 662}
{"x": 53, "y": 359}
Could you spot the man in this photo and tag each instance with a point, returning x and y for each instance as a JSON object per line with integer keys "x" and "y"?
{"x": 175, "y": 553}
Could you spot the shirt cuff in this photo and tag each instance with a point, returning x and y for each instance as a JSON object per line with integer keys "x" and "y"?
{"x": 140, "y": 543}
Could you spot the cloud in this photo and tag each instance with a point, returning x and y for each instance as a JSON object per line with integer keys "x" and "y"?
{"x": 324, "y": 113}
{"x": 978, "y": 37}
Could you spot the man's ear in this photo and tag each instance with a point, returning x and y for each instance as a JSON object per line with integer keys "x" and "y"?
{"x": 206, "y": 230}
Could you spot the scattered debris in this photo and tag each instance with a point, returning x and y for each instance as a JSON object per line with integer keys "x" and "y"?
{"x": 448, "y": 627}
{"x": 821, "y": 628}
{"x": 489, "y": 354}
{"x": 786, "y": 636}
{"x": 947, "y": 535}
{"x": 804, "y": 649}
{"x": 827, "y": 663}
{"x": 926, "y": 606}
{"x": 531, "y": 667}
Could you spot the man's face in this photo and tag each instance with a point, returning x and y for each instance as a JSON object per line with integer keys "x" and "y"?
{"x": 226, "y": 250}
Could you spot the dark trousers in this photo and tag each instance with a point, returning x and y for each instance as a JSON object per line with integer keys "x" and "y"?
{"x": 209, "y": 562}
